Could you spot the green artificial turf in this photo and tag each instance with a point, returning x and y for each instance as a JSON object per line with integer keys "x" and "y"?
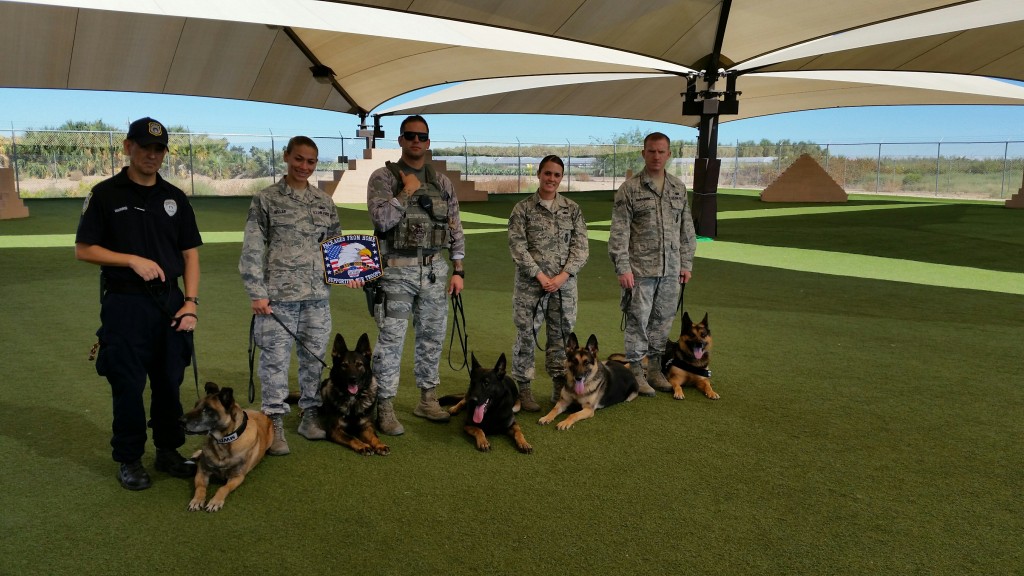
{"x": 870, "y": 420}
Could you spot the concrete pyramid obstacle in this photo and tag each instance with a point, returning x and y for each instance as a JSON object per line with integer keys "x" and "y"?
{"x": 11, "y": 205}
{"x": 804, "y": 181}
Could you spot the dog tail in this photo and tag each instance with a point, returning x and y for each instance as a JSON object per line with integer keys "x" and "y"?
{"x": 293, "y": 398}
{"x": 618, "y": 357}
{"x": 450, "y": 399}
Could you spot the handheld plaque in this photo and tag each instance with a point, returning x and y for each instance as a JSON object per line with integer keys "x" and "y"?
{"x": 351, "y": 257}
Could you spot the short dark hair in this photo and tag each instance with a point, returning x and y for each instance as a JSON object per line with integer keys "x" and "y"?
{"x": 300, "y": 141}
{"x": 414, "y": 118}
{"x": 657, "y": 136}
{"x": 549, "y": 158}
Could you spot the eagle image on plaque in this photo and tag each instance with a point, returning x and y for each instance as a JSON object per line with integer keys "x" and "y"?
{"x": 351, "y": 257}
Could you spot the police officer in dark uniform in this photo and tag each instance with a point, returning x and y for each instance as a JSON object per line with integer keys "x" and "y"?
{"x": 142, "y": 232}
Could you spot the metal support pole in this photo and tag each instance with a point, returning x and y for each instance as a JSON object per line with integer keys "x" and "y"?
{"x": 568, "y": 184}
{"x": 1006, "y": 152}
{"x": 615, "y": 163}
{"x": 14, "y": 153}
{"x": 878, "y": 169}
{"x": 938, "y": 157}
{"x": 191, "y": 163}
{"x": 519, "y": 165}
{"x": 465, "y": 156}
{"x": 113, "y": 153}
{"x": 273, "y": 163}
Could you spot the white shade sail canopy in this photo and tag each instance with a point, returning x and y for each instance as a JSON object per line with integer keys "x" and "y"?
{"x": 623, "y": 58}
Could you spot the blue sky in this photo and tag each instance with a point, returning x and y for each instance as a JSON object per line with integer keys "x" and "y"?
{"x": 32, "y": 108}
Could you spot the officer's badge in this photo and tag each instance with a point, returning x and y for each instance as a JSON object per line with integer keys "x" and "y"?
{"x": 171, "y": 207}
{"x": 156, "y": 129}
{"x": 351, "y": 257}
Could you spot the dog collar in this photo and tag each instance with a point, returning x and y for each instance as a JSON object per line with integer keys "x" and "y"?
{"x": 234, "y": 435}
{"x": 689, "y": 368}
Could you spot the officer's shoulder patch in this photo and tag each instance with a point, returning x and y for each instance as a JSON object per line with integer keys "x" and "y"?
{"x": 85, "y": 205}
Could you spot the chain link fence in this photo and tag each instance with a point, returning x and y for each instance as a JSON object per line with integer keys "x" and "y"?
{"x": 65, "y": 163}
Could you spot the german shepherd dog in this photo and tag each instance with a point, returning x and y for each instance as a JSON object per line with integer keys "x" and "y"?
{"x": 349, "y": 398}
{"x": 492, "y": 401}
{"x": 591, "y": 384}
{"x": 687, "y": 360}
{"x": 236, "y": 441}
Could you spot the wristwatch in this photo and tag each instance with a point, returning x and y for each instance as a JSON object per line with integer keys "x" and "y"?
{"x": 192, "y": 299}
{"x": 459, "y": 273}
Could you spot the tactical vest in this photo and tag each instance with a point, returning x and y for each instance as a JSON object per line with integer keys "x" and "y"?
{"x": 425, "y": 224}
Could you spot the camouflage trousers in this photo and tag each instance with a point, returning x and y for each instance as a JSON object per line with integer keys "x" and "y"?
{"x": 310, "y": 320}
{"x": 650, "y": 309}
{"x": 531, "y": 306}
{"x": 410, "y": 292}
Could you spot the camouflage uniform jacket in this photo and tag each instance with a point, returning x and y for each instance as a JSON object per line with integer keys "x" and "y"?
{"x": 386, "y": 210}
{"x": 651, "y": 233}
{"x": 281, "y": 258}
{"x": 547, "y": 240}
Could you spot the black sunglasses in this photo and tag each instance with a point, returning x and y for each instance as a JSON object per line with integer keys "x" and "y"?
{"x": 412, "y": 136}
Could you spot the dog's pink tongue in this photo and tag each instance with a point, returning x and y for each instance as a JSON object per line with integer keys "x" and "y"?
{"x": 353, "y": 388}
{"x": 478, "y": 413}
{"x": 581, "y": 385}
{"x": 698, "y": 352}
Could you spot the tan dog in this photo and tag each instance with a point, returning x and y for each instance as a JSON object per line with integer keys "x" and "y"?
{"x": 236, "y": 441}
{"x": 591, "y": 383}
{"x": 687, "y": 359}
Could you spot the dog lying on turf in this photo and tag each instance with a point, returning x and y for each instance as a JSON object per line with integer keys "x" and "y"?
{"x": 236, "y": 440}
{"x": 349, "y": 397}
{"x": 590, "y": 383}
{"x": 491, "y": 403}
{"x": 688, "y": 358}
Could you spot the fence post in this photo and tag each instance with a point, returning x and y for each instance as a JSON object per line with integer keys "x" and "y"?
{"x": 110, "y": 142}
{"x": 568, "y": 150}
{"x": 1006, "y": 152}
{"x": 191, "y": 164}
{"x": 878, "y": 170}
{"x": 519, "y": 165}
{"x": 938, "y": 158}
{"x": 465, "y": 156}
{"x": 273, "y": 163}
{"x": 14, "y": 161}
{"x": 615, "y": 163}
{"x": 735, "y": 164}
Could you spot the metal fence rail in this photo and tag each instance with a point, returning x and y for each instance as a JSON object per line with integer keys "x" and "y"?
{"x": 66, "y": 163}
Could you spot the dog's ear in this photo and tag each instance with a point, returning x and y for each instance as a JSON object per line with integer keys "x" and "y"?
{"x": 227, "y": 397}
{"x": 340, "y": 349}
{"x": 707, "y": 326}
{"x": 363, "y": 346}
{"x": 211, "y": 388}
{"x": 572, "y": 343}
{"x": 687, "y": 324}
{"x": 474, "y": 365}
{"x": 592, "y": 344}
{"x": 499, "y": 366}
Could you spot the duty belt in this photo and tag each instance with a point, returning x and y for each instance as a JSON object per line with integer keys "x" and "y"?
{"x": 122, "y": 286}
{"x": 425, "y": 260}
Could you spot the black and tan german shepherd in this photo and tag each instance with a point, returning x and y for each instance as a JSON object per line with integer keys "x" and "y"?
{"x": 687, "y": 359}
{"x": 590, "y": 383}
{"x": 236, "y": 441}
{"x": 349, "y": 397}
{"x": 491, "y": 404}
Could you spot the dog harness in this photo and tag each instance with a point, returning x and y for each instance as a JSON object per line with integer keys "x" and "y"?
{"x": 237, "y": 433}
{"x": 687, "y": 367}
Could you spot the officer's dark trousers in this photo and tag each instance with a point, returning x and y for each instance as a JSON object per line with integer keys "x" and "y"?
{"x": 136, "y": 341}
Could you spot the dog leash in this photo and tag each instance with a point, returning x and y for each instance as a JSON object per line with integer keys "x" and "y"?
{"x": 561, "y": 319}
{"x": 189, "y": 335}
{"x": 252, "y": 351}
{"x": 458, "y": 312}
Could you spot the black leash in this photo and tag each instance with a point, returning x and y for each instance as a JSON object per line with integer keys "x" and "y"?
{"x": 189, "y": 335}
{"x": 561, "y": 320}
{"x": 252, "y": 351}
{"x": 459, "y": 313}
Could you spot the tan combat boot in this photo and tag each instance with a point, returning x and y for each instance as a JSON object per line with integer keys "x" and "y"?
{"x": 654, "y": 375}
{"x": 429, "y": 408}
{"x": 387, "y": 423}
{"x": 279, "y": 447}
{"x": 309, "y": 427}
{"x": 637, "y": 368}
{"x": 526, "y": 401}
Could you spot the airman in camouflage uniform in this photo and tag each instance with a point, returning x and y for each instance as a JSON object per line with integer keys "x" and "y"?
{"x": 651, "y": 244}
{"x": 283, "y": 272}
{"x": 547, "y": 236}
{"x": 414, "y": 279}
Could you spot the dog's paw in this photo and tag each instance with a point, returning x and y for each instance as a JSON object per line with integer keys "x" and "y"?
{"x": 713, "y": 395}
{"x": 564, "y": 425}
{"x": 544, "y": 420}
{"x": 382, "y": 450}
{"x": 214, "y": 505}
{"x": 678, "y": 395}
{"x": 196, "y": 505}
{"x": 365, "y": 450}
{"x": 524, "y": 448}
{"x": 483, "y": 445}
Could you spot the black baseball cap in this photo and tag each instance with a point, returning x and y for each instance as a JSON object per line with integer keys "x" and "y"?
{"x": 146, "y": 131}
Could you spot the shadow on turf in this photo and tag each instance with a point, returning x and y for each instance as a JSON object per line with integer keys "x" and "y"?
{"x": 58, "y": 434}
